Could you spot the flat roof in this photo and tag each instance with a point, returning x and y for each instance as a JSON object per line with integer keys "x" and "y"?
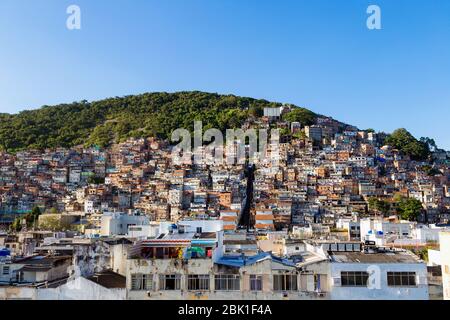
{"x": 240, "y": 242}
{"x": 177, "y": 236}
{"x": 109, "y": 279}
{"x": 385, "y": 257}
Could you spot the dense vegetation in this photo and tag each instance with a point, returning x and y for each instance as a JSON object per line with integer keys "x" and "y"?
{"x": 116, "y": 119}
{"x": 409, "y": 208}
{"x": 152, "y": 114}
{"x": 302, "y": 115}
{"x": 431, "y": 171}
{"x": 404, "y": 141}
{"x": 30, "y": 220}
{"x": 381, "y": 206}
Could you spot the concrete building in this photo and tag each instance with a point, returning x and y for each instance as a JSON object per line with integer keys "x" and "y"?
{"x": 100, "y": 286}
{"x": 377, "y": 276}
{"x": 117, "y": 223}
{"x": 353, "y": 228}
{"x": 143, "y": 231}
{"x": 272, "y": 113}
{"x": 384, "y": 232}
{"x": 264, "y": 220}
{"x": 314, "y": 133}
{"x": 176, "y": 273}
{"x": 444, "y": 239}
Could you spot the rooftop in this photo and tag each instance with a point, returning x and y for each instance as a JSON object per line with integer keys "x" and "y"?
{"x": 240, "y": 242}
{"x": 241, "y": 260}
{"x": 385, "y": 257}
{"x": 109, "y": 279}
{"x": 40, "y": 260}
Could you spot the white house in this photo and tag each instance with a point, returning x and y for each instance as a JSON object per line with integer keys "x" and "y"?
{"x": 444, "y": 239}
{"x": 117, "y": 223}
{"x": 424, "y": 234}
{"x": 102, "y": 286}
{"x": 144, "y": 231}
{"x": 383, "y": 232}
{"x": 377, "y": 276}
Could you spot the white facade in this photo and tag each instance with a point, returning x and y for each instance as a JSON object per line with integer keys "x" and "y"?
{"x": 434, "y": 258}
{"x": 272, "y": 112}
{"x": 89, "y": 206}
{"x": 426, "y": 234}
{"x": 383, "y": 232}
{"x": 143, "y": 231}
{"x": 201, "y": 225}
{"x": 115, "y": 223}
{"x": 383, "y": 291}
{"x": 81, "y": 289}
{"x": 445, "y": 260}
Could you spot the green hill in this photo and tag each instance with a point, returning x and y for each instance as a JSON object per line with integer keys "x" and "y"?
{"x": 152, "y": 114}
{"x": 404, "y": 141}
{"x": 116, "y": 119}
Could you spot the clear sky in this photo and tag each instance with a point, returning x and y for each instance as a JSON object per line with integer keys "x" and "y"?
{"x": 317, "y": 54}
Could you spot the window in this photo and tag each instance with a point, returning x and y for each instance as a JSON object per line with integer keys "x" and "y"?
{"x": 6, "y": 270}
{"x": 19, "y": 276}
{"x": 285, "y": 282}
{"x": 169, "y": 282}
{"x": 227, "y": 282}
{"x": 255, "y": 282}
{"x": 401, "y": 279}
{"x": 198, "y": 282}
{"x": 141, "y": 282}
{"x": 354, "y": 279}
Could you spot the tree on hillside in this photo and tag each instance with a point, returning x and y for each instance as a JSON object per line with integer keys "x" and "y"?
{"x": 431, "y": 171}
{"x": 379, "y": 206}
{"x": 302, "y": 115}
{"x": 30, "y": 220}
{"x": 409, "y": 208}
{"x": 299, "y": 135}
{"x": 256, "y": 111}
{"x": 404, "y": 141}
{"x": 117, "y": 119}
{"x": 432, "y": 146}
{"x": 16, "y": 226}
{"x": 96, "y": 180}
{"x": 36, "y": 212}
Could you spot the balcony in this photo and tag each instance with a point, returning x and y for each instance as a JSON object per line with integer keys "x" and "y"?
{"x": 198, "y": 252}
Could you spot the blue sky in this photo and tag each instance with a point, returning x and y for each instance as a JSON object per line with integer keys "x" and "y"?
{"x": 316, "y": 53}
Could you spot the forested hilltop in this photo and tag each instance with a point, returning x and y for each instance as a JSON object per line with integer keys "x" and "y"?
{"x": 156, "y": 114}
{"x": 116, "y": 119}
